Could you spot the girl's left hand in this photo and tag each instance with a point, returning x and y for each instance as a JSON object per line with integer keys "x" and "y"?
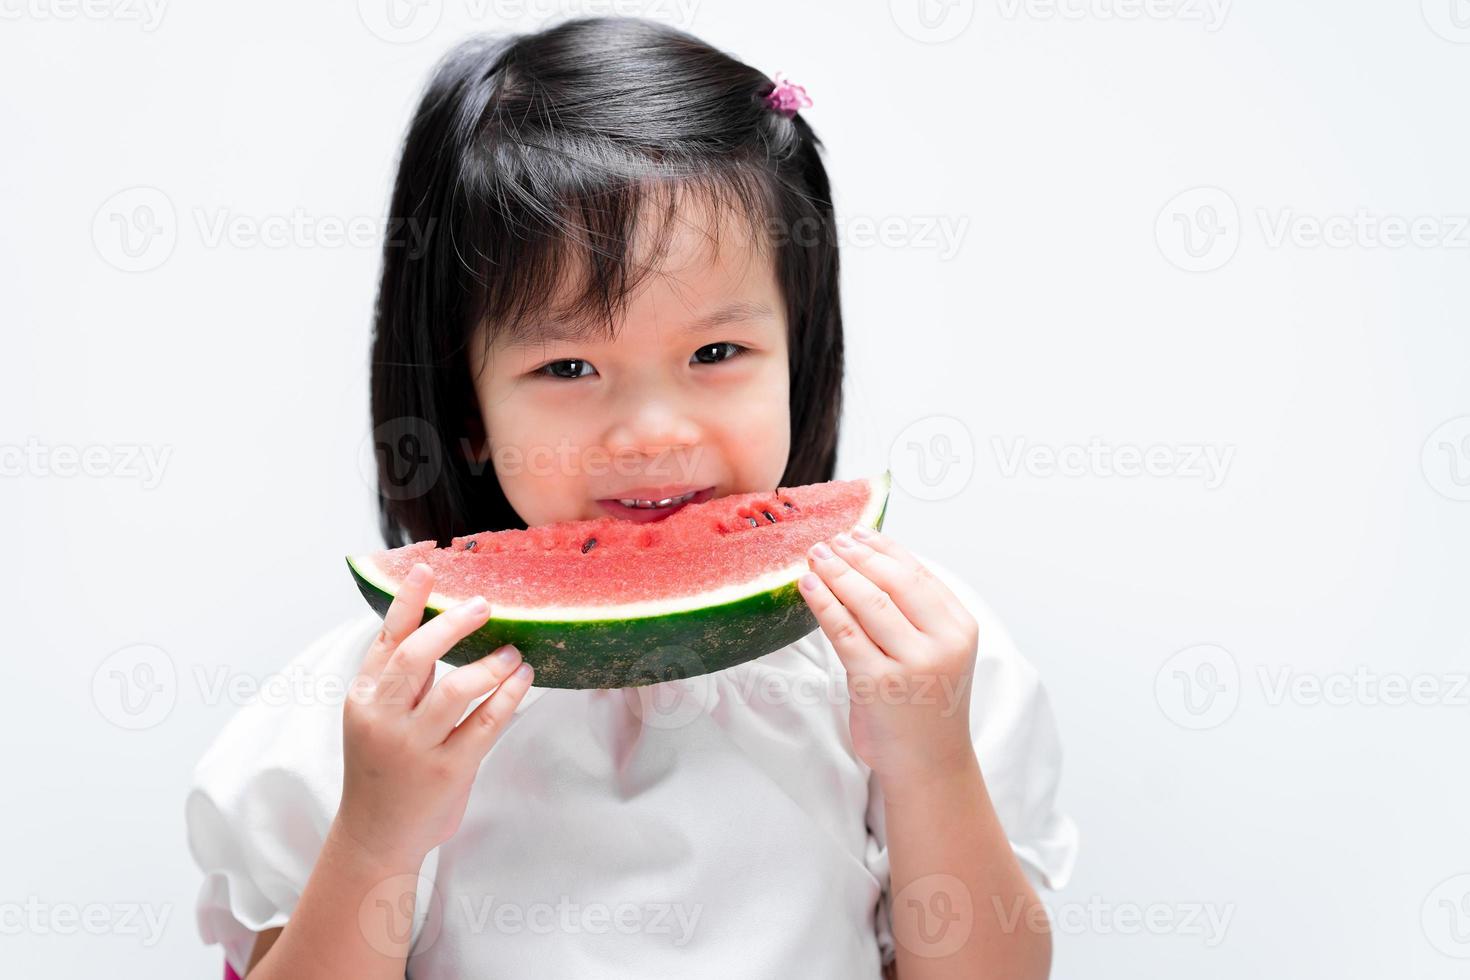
{"x": 909, "y": 646}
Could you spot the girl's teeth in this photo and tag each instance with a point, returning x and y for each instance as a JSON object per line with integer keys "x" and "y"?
{"x": 650, "y": 504}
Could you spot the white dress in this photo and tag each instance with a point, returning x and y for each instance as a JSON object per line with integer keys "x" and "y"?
{"x": 719, "y": 826}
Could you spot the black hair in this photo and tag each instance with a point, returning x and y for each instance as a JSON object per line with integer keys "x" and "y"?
{"x": 527, "y": 149}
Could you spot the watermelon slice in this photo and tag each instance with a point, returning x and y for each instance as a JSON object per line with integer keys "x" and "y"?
{"x": 610, "y": 603}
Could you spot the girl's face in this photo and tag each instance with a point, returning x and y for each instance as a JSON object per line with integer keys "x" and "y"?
{"x": 692, "y": 395}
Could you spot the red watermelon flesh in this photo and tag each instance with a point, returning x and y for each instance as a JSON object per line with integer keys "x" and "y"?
{"x": 699, "y": 548}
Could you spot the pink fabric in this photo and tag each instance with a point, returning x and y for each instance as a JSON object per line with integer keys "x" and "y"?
{"x": 230, "y": 973}
{"x": 786, "y": 97}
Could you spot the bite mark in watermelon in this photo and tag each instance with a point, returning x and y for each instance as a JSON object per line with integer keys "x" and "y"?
{"x": 609, "y": 603}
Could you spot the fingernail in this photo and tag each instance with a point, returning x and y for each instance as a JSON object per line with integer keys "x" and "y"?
{"x": 524, "y": 670}
{"x": 418, "y": 574}
{"x": 820, "y": 550}
{"x": 506, "y": 654}
{"x": 863, "y": 533}
{"x": 476, "y": 606}
{"x": 808, "y": 581}
{"x": 843, "y": 541}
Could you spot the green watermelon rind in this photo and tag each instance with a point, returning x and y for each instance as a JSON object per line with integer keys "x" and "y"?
{"x": 583, "y": 653}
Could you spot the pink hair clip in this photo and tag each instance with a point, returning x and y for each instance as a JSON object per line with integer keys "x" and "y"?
{"x": 786, "y": 98}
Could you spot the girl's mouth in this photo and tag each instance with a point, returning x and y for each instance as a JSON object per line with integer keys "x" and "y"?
{"x": 642, "y": 510}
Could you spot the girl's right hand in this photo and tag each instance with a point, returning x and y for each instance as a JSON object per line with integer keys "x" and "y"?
{"x": 407, "y": 767}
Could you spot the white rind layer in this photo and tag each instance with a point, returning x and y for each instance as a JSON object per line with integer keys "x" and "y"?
{"x": 768, "y": 582}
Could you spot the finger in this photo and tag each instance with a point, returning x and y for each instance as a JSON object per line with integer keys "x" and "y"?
{"x": 447, "y": 700}
{"x": 410, "y": 669}
{"x": 873, "y": 608}
{"x": 429, "y": 675}
{"x": 404, "y": 615}
{"x": 856, "y": 651}
{"x": 886, "y": 544}
{"x": 474, "y": 736}
{"x": 909, "y": 584}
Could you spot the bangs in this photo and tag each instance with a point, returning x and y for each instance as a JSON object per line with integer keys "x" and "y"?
{"x": 556, "y": 248}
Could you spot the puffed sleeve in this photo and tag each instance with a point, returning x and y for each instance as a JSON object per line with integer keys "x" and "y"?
{"x": 266, "y": 790}
{"x": 1016, "y": 741}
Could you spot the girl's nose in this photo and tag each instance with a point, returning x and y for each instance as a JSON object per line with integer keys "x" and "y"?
{"x": 651, "y": 428}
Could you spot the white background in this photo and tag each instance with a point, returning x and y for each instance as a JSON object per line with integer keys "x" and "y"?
{"x": 1085, "y": 303}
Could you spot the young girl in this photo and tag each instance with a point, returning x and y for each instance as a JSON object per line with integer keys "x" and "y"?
{"x": 627, "y": 289}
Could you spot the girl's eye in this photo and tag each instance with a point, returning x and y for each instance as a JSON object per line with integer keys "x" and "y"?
{"x": 735, "y": 351}
{"x": 570, "y": 369}
{"x": 547, "y": 369}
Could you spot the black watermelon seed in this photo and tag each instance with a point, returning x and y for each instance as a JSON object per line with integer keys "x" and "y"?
{"x": 788, "y": 504}
{"x": 768, "y": 516}
{"x": 470, "y": 545}
{"x": 753, "y": 521}
{"x": 591, "y": 543}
